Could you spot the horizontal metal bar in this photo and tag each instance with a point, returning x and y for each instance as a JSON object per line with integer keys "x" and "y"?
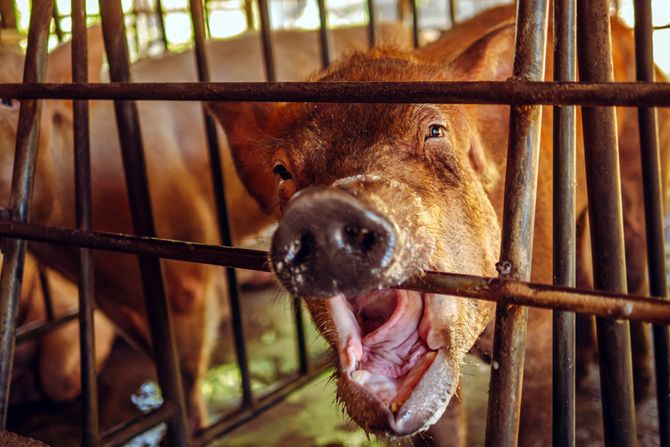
{"x": 35, "y": 329}
{"x": 238, "y": 418}
{"x": 605, "y": 304}
{"x": 637, "y": 94}
{"x": 124, "y": 432}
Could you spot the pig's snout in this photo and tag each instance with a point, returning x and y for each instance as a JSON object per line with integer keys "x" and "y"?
{"x": 329, "y": 242}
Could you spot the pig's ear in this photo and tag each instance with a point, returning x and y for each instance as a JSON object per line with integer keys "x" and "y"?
{"x": 249, "y": 127}
{"x": 59, "y": 64}
{"x": 491, "y": 58}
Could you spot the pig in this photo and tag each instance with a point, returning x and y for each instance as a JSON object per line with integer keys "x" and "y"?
{"x": 369, "y": 195}
{"x": 179, "y": 181}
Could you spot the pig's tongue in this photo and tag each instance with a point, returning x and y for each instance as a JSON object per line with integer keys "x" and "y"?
{"x": 392, "y": 357}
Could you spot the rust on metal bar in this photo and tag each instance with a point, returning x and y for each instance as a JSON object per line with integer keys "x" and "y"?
{"x": 564, "y": 237}
{"x": 132, "y": 151}
{"x": 218, "y": 186}
{"x": 653, "y": 206}
{"x": 523, "y": 155}
{"x": 613, "y": 305}
{"x": 632, "y": 94}
{"x": 82, "y": 167}
{"x": 23, "y": 178}
{"x": 607, "y": 235}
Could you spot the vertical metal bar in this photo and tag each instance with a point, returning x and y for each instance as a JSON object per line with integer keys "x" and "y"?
{"x": 158, "y": 315}
{"x": 653, "y": 207}
{"x": 249, "y": 13}
{"x": 161, "y": 23}
{"x": 8, "y": 14}
{"x": 46, "y": 292}
{"x": 372, "y": 23}
{"x": 563, "y": 360}
{"x": 323, "y": 33}
{"x": 266, "y": 41}
{"x": 207, "y": 27}
{"x": 90, "y": 435}
{"x": 23, "y": 177}
{"x": 451, "y": 6}
{"x": 56, "y": 16}
{"x": 303, "y": 358}
{"x": 607, "y": 237}
{"x": 197, "y": 19}
{"x": 509, "y": 339}
{"x": 415, "y": 23}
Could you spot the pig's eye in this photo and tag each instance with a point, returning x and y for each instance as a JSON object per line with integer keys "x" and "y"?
{"x": 282, "y": 172}
{"x": 8, "y": 102}
{"x": 435, "y": 131}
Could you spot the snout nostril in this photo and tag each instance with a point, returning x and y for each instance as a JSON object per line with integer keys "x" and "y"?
{"x": 300, "y": 249}
{"x": 359, "y": 238}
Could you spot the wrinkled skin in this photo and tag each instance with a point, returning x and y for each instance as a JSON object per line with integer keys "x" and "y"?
{"x": 435, "y": 174}
{"x": 179, "y": 182}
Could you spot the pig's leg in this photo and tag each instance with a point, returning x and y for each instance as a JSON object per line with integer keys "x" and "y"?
{"x": 59, "y": 358}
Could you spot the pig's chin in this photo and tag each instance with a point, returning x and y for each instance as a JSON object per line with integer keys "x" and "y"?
{"x": 392, "y": 383}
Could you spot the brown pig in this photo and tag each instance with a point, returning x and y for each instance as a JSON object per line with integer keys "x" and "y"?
{"x": 372, "y": 194}
{"x": 179, "y": 181}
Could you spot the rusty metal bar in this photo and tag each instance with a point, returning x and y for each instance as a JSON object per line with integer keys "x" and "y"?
{"x": 289, "y": 385}
{"x": 564, "y": 242}
{"x": 415, "y": 23}
{"x": 161, "y": 23}
{"x": 36, "y": 329}
{"x": 121, "y": 434}
{"x": 615, "y": 305}
{"x": 372, "y": 23}
{"x": 509, "y": 338}
{"x": 218, "y": 186}
{"x": 627, "y": 94}
{"x": 324, "y": 39}
{"x": 82, "y": 167}
{"x": 266, "y": 41}
{"x": 158, "y": 315}
{"x": 8, "y": 14}
{"x": 23, "y": 177}
{"x": 607, "y": 236}
{"x": 653, "y": 206}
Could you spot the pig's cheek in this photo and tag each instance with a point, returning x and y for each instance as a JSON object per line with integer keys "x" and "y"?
{"x": 440, "y": 316}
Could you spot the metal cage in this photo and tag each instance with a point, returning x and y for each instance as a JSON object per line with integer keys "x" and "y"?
{"x": 596, "y": 93}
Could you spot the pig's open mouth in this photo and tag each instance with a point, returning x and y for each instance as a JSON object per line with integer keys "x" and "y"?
{"x": 384, "y": 357}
